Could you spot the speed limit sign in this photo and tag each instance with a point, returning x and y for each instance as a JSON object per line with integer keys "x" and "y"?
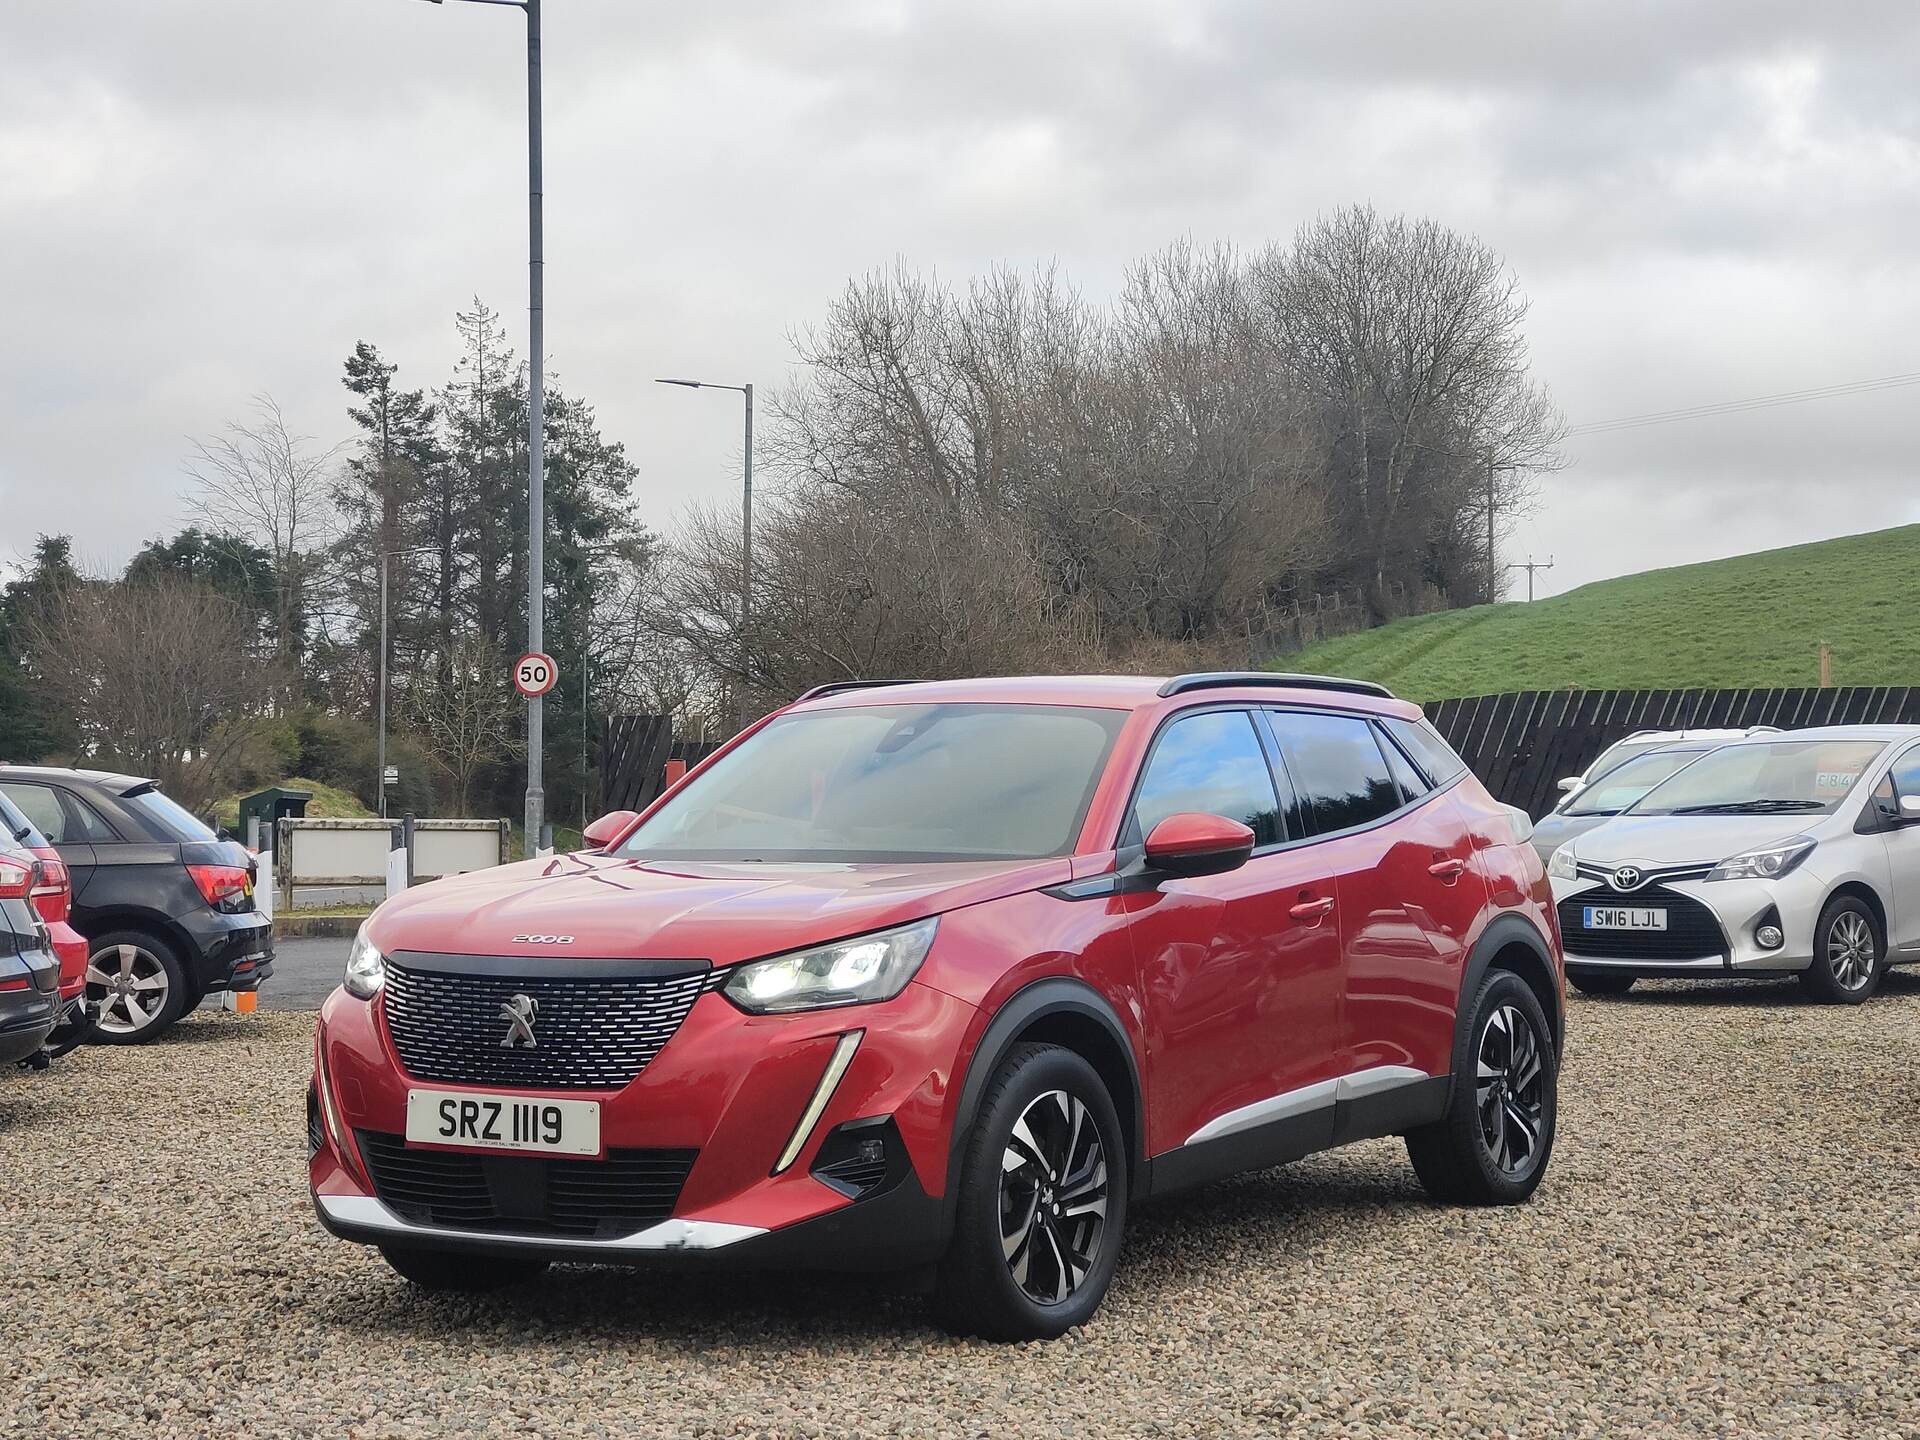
{"x": 535, "y": 674}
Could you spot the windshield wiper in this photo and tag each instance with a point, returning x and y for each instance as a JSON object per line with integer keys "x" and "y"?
{"x": 1750, "y": 807}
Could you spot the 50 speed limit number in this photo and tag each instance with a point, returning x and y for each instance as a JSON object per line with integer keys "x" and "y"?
{"x": 535, "y": 674}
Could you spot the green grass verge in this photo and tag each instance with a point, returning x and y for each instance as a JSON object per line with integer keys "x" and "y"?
{"x": 328, "y": 803}
{"x": 1755, "y": 619}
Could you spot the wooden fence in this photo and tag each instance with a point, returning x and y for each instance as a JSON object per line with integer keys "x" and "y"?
{"x": 1522, "y": 742}
{"x": 634, "y": 751}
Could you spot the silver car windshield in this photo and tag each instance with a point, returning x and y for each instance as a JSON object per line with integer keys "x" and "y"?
{"x": 1625, "y": 783}
{"x": 1775, "y": 777}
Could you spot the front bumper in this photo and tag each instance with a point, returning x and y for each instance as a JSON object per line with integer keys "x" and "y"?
{"x": 728, "y": 1087}
{"x": 1738, "y": 909}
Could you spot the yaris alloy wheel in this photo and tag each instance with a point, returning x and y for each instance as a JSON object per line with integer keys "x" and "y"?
{"x": 1847, "y": 953}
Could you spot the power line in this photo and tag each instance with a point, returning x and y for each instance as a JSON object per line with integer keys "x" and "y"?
{"x": 1757, "y": 402}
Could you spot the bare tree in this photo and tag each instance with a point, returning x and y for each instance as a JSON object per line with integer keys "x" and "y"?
{"x": 1408, "y": 338}
{"x": 163, "y": 676}
{"x": 271, "y": 486}
{"x": 467, "y": 720}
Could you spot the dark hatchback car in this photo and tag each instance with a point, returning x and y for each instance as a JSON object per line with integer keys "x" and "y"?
{"x": 165, "y": 904}
{"x": 29, "y": 970}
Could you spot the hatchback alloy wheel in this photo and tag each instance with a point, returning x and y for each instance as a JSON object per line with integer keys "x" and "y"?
{"x": 127, "y": 988}
{"x": 1509, "y": 1089}
{"x": 1851, "y": 951}
{"x": 1053, "y": 1197}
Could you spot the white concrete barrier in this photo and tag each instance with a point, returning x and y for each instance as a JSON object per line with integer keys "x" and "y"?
{"x": 354, "y": 854}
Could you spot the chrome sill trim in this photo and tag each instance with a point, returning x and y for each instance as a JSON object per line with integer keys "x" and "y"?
{"x": 1316, "y": 1096}
{"x": 363, "y": 1212}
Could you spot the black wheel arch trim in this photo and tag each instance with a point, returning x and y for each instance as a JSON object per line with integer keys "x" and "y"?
{"x": 1054, "y": 995}
{"x": 1502, "y": 933}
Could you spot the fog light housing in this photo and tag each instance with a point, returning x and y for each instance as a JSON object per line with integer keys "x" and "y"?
{"x": 862, "y": 1158}
{"x": 1769, "y": 937}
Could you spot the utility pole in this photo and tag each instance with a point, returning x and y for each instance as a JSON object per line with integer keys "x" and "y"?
{"x": 1493, "y": 570}
{"x": 1530, "y": 566}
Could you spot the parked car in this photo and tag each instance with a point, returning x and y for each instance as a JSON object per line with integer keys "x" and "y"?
{"x": 166, "y": 906}
{"x": 1610, "y": 792}
{"x": 953, "y": 974}
{"x": 52, "y": 897}
{"x": 1781, "y": 854}
{"x": 1641, "y": 741}
{"x": 29, "y": 970}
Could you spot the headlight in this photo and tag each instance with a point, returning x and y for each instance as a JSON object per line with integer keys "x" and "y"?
{"x": 1563, "y": 866}
{"x": 1767, "y": 863}
{"x": 366, "y": 968}
{"x": 848, "y": 972}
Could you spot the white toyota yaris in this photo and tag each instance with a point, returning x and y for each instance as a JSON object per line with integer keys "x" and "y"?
{"x": 1792, "y": 853}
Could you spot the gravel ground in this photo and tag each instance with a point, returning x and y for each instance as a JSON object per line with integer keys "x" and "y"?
{"x": 1726, "y": 1244}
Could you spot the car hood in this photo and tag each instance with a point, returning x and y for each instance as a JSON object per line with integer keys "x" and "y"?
{"x": 1685, "y": 839}
{"x": 683, "y": 910}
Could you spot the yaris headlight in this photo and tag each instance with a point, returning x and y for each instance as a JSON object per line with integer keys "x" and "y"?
{"x": 847, "y": 972}
{"x": 366, "y": 968}
{"x": 1563, "y": 866}
{"x": 1769, "y": 862}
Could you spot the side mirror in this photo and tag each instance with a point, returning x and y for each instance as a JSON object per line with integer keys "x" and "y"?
{"x": 1910, "y": 809}
{"x": 1191, "y": 844}
{"x": 1566, "y": 785}
{"x": 608, "y": 828}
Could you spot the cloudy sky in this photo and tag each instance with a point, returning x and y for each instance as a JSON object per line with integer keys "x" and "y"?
{"x": 203, "y": 199}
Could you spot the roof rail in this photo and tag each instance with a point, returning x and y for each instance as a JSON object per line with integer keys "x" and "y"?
{"x": 1227, "y": 679}
{"x": 837, "y": 686}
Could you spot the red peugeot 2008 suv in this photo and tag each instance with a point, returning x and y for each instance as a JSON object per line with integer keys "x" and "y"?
{"x": 947, "y": 976}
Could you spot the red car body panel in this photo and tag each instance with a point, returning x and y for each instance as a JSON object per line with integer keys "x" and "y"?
{"x": 69, "y": 945}
{"x": 1309, "y": 962}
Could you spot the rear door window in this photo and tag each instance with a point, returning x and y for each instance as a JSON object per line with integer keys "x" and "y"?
{"x": 1411, "y": 782}
{"x": 1338, "y": 768}
{"x": 1212, "y": 763}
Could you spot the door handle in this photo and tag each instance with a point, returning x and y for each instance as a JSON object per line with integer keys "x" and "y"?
{"x": 1447, "y": 870}
{"x": 1312, "y": 912}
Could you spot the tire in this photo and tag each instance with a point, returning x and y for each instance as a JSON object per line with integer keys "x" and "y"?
{"x": 1849, "y": 953}
{"x": 1473, "y": 1155}
{"x": 130, "y": 1017}
{"x": 1042, "y": 1179}
{"x": 448, "y": 1272}
{"x": 1601, "y": 982}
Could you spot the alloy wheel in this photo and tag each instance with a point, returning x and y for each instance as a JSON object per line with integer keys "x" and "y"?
{"x": 1053, "y": 1197}
{"x": 1510, "y": 1089}
{"x": 1850, "y": 950}
{"x": 126, "y": 988}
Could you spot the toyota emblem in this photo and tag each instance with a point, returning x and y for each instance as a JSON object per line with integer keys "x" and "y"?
{"x": 1626, "y": 877}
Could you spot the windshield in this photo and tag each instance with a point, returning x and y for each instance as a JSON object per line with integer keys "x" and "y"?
{"x": 1624, "y": 784}
{"x": 1777, "y": 777}
{"x": 1615, "y": 755}
{"x": 893, "y": 782}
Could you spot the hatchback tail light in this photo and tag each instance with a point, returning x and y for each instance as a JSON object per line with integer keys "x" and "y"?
{"x": 17, "y": 878}
{"x": 227, "y": 888}
{"x": 53, "y": 892}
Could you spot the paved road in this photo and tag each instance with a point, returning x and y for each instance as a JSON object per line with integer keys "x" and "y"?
{"x": 304, "y": 972}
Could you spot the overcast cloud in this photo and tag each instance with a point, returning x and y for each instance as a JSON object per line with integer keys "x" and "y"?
{"x": 200, "y": 199}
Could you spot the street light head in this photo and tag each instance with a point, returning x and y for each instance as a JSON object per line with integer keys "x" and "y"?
{"x": 690, "y": 384}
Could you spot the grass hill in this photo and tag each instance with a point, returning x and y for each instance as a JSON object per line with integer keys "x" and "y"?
{"x": 1750, "y": 620}
{"x": 328, "y": 803}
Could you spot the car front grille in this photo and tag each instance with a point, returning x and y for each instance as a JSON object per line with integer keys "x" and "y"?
{"x": 1692, "y": 932}
{"x": 526, "y": 1194}
{"x": 590, "y": 1032}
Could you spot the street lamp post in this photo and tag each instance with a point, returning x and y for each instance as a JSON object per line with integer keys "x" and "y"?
{"x": 746, "y": 517}
{"x": 536, "y": 414}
